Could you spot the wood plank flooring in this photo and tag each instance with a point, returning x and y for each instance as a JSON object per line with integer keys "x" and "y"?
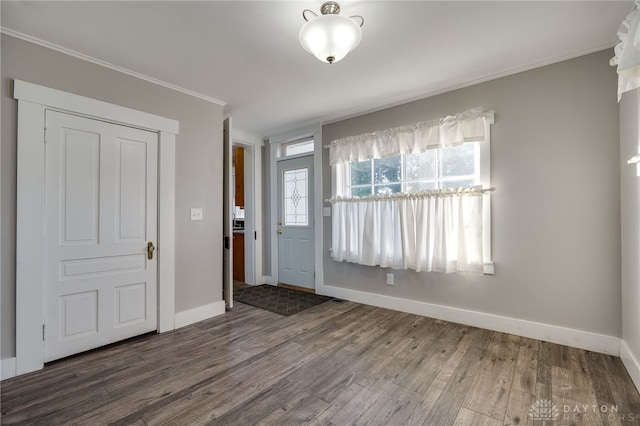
{"x": 335, "y": 364}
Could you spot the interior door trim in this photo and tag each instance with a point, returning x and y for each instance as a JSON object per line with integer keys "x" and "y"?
{"x": 33, "y": 100}
{"x": 274, "y": 144}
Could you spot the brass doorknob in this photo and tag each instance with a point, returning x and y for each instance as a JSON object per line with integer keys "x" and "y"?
{"x": 279, "y": 231}
{"x": 150, "y": 250}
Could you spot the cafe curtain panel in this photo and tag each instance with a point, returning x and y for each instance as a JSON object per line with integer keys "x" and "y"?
{"x": 429, "y": 231}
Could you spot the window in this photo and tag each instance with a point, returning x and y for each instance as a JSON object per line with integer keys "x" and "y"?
{"x": 427, "y": 211}
{"x": 296, "y": 200}
{"x": 298, "y": 147}
{"x": 441, "y": 168}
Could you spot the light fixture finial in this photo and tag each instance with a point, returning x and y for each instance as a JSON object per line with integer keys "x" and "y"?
{"x": 330, "y": 8}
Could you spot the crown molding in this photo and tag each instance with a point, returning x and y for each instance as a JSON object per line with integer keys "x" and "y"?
{"x": 87, "y": 58}
{"x": 418, "y": 95}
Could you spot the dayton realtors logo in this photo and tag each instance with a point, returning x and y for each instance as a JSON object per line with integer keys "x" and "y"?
{"x": 545, "y": 410}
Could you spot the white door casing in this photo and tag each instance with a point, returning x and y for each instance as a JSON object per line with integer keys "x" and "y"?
{"x": 274, "y": 148}
{"x": 227, "y": 221}
{"x": 33, "y": 100}
{"x": 101, "y": 213}
{"x": 296, "y": 223}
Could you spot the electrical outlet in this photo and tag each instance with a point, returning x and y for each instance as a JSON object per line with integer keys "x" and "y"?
{"x": 389, "y": 279}
{"x": 196, "y": 214}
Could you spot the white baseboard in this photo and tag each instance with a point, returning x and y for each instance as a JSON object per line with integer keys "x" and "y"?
{"x": 200, "y": 313}
{"x": 631, "y": 363}
{"x": 8, "y": 368}
{"x": 267, "y": 279}
{"x": 550, "y": 333}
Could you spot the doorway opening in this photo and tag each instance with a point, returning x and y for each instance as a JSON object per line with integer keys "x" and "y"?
{"x": 295, "y": 214}
{"x": 295, "y": 233}
{"x": 244, "y": 215}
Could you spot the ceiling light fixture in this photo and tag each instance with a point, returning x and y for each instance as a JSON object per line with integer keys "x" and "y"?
{"x": 330, "y": 37}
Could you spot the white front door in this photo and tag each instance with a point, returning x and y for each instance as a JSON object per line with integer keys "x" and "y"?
{"x": 295, "y": 230}
{"x": 101, "y": 217}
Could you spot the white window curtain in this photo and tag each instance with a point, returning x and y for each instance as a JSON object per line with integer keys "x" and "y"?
{"x": 627, "y": 52}
{"x": 444, "y": 230}
{"x": 448, "y": 131}
{"x": 437, "y": 231}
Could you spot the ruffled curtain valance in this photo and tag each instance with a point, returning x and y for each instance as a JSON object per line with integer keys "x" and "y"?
{"x": 448, "y": 131}
{"x": 627, "y": 52}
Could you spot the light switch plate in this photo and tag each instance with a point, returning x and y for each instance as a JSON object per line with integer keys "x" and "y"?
{"x": 196, "y": 214}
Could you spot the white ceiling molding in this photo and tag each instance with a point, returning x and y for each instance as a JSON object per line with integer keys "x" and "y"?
{"x": 105, "y": 64}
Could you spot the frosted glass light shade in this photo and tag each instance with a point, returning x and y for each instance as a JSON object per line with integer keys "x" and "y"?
{"x": 330, "y": 37}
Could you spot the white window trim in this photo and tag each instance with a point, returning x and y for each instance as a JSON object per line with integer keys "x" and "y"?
{"x": 339, "y": 175}
{"x": 33, "y": 100}
{"x": 485, "y": 181}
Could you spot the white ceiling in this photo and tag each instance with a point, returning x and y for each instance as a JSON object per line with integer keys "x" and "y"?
{"x": 247, "y": 54}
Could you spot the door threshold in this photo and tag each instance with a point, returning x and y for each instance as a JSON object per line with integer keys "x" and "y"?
{"x": 295, "y": 287}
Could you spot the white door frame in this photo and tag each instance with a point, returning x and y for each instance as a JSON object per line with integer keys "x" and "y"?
{"x": 33, "y": 100}
{"x": 253, "y": 185}
{"x": 253, "y": 204}
{"x": 249, "y": 214}
{"x": 227, "y": 208}
{"x": 275, "y": 143}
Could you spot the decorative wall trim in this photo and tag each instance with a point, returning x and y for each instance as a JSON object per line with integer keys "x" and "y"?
{"x": 8, "y": 368}
{"x": 167, "y": 224}
{"x": 631, "y": 363}
{"x": 105, "y": 64}
{"x": 550, "y": 333}
{"x": 200, "y": 313}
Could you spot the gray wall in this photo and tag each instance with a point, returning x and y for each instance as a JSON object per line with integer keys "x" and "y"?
{"x": 630, "y": 202}
{"x": 556, "y": 208}
{"x": 198, "y": 166}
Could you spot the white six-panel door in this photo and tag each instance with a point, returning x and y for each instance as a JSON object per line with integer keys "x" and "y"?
{"x": 101, "y": 213}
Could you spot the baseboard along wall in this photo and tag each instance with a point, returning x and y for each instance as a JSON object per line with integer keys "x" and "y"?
{"x": 601, "y": 343}
{"x": 198, "y": 314}
{"x": 631, "y": 363}
{"x": 8, "y": 368}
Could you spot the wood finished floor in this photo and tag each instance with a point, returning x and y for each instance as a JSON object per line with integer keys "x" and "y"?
{"x": 335, "y": 364}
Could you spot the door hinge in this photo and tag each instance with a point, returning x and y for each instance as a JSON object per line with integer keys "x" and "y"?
{"x": 43, "y": 332}
{"x": 255, "y": 235}
{"x": 227, "y": 243}
{"x": 45, "y": 135}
